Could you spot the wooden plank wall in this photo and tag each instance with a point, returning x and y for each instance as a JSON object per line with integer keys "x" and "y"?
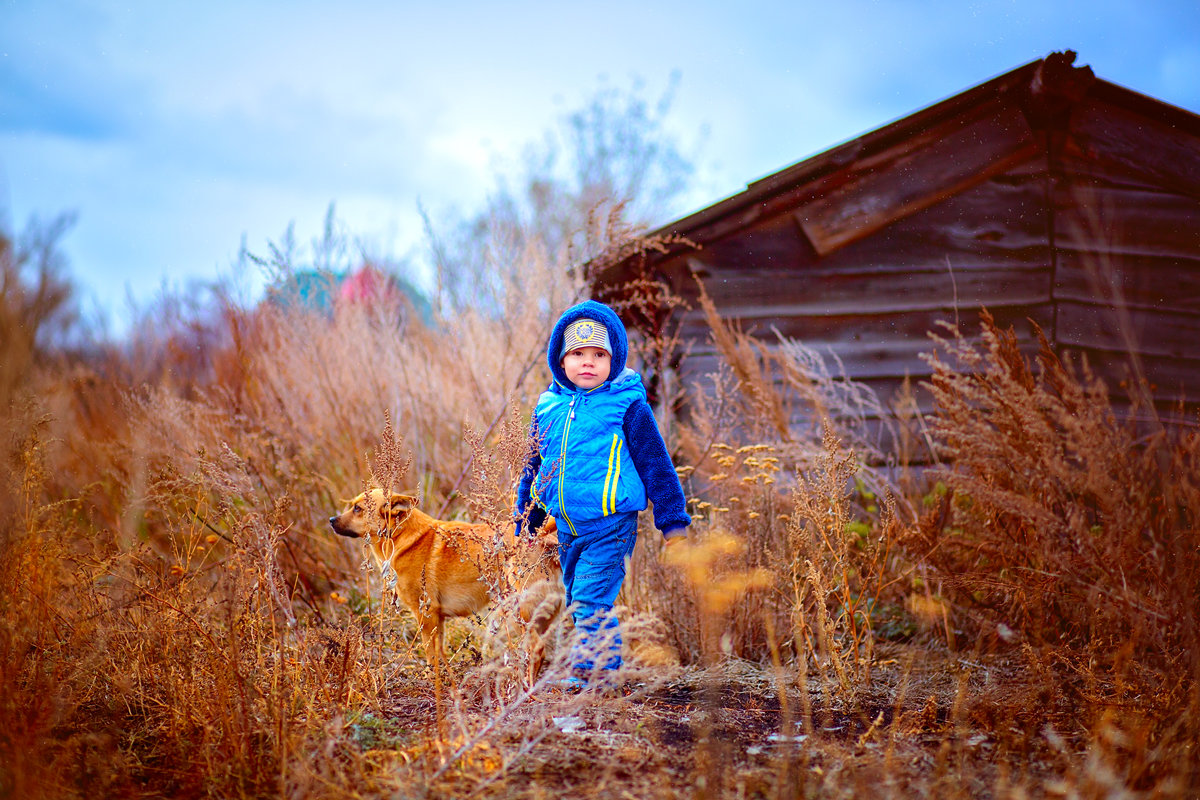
{"x": 1127, "y": 277}
{"x": 1099, "y": 247}
{"x": 871, "y": 303}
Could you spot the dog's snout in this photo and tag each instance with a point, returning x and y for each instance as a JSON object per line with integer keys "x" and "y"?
{"x": 338, "y": 524}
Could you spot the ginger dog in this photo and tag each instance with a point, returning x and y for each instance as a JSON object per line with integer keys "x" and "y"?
{"x": 441, "y": 569}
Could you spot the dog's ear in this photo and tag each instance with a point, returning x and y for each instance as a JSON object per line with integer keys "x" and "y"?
{"x": 399, "y": 505}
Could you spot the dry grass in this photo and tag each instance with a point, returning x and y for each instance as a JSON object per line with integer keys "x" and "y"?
{"x": 181, "y": 622}
{"x": 1065, "y": 522}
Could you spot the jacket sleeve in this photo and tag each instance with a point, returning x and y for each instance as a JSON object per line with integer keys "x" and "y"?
{"x": 536, "y": 514}
{"x": 649, "y": 454}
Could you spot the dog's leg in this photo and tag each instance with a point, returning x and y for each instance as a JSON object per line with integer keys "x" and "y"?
{"x": 432, "y": 634}
{"x": 538, "y": 622}
{"x": 537, "y": 656}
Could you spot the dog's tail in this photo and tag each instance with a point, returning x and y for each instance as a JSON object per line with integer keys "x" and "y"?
{"x": 540, "y": 604}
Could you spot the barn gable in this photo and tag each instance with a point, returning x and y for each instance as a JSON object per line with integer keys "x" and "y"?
{"x": 1044, "y": 194}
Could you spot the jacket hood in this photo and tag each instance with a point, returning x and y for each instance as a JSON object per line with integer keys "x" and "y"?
{"x": 617, "y": 339}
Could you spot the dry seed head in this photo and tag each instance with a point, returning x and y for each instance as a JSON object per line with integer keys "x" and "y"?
{"x": 717, "y": 593}
{"x": 929, "y": 609}
{"x": 720, "y": 595}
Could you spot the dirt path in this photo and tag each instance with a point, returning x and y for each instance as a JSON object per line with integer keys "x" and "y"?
{"x": 727, "y": 734}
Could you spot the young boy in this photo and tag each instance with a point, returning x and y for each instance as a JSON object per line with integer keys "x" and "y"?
{"x": 599, "y": 458}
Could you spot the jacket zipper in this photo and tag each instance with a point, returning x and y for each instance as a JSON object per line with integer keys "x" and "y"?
{"x": 562, "y": 468}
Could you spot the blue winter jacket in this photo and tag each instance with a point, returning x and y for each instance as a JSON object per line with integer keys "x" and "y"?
{"x": 599, "y": 451}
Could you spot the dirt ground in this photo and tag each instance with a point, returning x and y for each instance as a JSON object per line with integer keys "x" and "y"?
{"x": 729, "y": 732}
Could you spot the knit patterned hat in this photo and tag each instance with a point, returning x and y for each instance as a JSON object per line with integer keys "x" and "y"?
{"x": 585, "y": 333}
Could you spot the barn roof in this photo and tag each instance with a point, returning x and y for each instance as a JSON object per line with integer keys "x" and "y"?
{"x": 1046, "y": 195}
{"x": 856, "y": 188}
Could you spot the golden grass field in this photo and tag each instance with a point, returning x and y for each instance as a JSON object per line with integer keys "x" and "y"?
{"x": 179, "y": 621}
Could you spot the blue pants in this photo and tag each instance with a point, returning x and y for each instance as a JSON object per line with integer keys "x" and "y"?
{"x": 593, "y": 569}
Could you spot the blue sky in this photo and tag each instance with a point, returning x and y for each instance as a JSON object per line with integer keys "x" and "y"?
{"x": 176, "y": 130}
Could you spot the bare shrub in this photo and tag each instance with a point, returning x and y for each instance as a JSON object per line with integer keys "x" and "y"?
{"x": 37, "y": 304}
{"x": 1063, "y": 526}
{"x": 1065, "y": 523}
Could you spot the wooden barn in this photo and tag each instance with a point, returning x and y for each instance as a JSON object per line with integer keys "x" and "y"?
{"x": 1044, "y": 194}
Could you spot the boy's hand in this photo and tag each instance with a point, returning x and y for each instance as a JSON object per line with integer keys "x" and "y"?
{"x": 675, "y": 553}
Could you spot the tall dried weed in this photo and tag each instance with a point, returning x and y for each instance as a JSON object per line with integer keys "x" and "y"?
{"x": 188, "y": 625}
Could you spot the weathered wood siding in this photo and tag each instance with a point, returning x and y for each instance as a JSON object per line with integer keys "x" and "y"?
{"x": 1127, "y": 247}
{"x": 1071, "y": 204}
{"x": 871, "y": 304}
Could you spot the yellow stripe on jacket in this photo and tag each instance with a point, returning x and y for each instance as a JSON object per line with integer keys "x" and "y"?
{"x": 608, "y": 479}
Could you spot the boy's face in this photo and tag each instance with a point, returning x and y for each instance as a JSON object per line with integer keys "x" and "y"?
{"x": 587, "y": 367}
